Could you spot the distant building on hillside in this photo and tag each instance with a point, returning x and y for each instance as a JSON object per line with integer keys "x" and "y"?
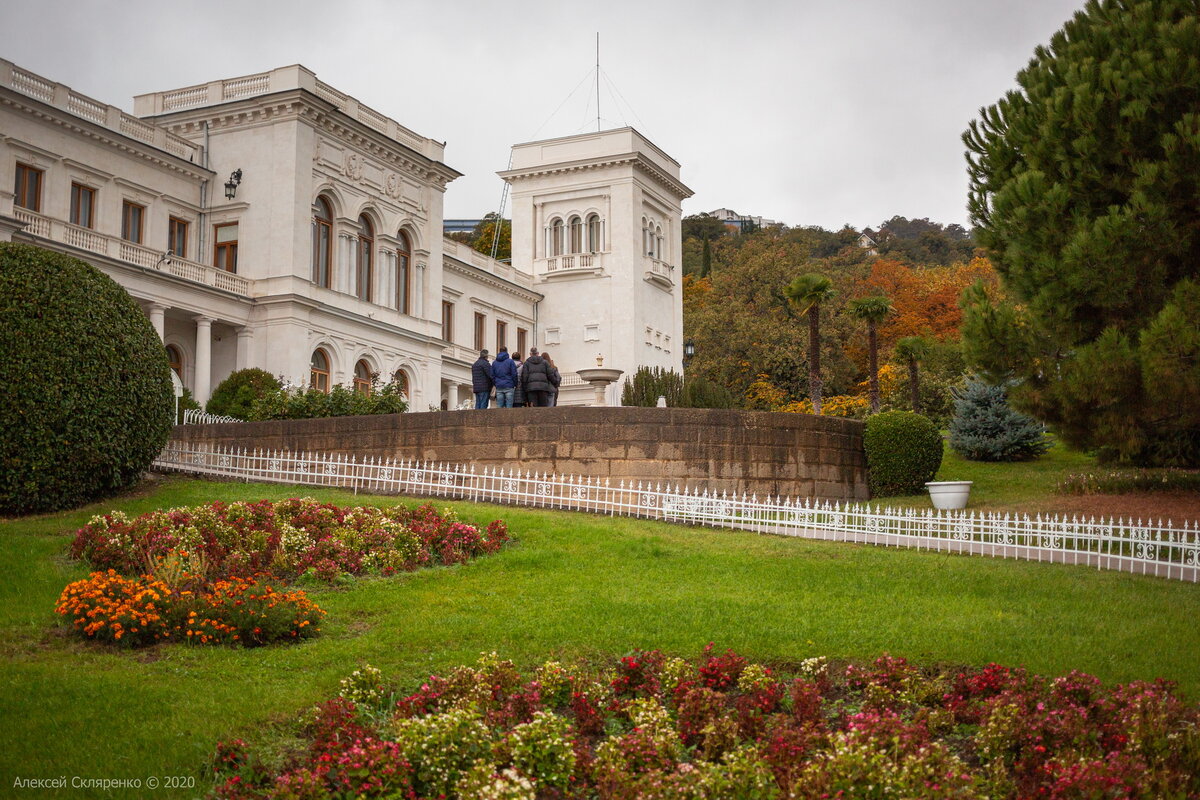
{"x": 740, "y": 222}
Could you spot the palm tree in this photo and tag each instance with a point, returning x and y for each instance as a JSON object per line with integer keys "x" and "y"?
{"x": 807, "y": 293}
{"x": 913, "y": 349}
{"x": 872, "y": 310}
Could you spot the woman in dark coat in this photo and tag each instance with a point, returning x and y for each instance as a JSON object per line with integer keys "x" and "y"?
{"x": 519, "y": 392}
{"x": 535, "y": 376}
{"x": 555, "y": 379}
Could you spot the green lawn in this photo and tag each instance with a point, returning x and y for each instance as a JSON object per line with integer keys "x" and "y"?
{"x": 1007, "y": 487}
{"x": 572, "y": 585}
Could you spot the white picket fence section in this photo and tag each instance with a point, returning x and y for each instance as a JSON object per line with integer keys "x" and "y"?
{"x": 1145, "y": 548}
{"x": 196, "y": 416}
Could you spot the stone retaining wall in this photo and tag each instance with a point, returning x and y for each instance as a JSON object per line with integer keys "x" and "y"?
{"x": 795, "y": 455}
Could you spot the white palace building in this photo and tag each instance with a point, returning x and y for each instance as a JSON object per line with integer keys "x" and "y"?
{"x": 273, "y": 221}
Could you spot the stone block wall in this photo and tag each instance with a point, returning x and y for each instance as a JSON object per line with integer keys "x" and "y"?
{"x": 796, "y": 455}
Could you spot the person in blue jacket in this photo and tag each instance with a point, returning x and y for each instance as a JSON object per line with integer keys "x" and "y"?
{"x": 481, "y": 380}
{"x": 504, "y": 374}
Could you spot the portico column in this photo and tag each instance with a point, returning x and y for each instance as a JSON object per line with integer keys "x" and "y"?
{"x": 452, "y": 396}
{"x": 245, "y": 336}
{"x": 203, "y": 359}
{"x": 158, "y": 319}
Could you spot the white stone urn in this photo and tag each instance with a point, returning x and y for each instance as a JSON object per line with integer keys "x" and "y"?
{"x": 949, "y": 495}
{"x": 599, "y": 378}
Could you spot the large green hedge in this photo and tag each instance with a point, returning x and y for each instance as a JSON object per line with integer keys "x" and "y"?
{"x": 238, "y": 393}
{"x": 86, "y": 397}
{"x": 904, "y": 450}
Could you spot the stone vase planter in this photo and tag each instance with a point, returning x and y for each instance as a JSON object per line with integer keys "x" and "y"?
{"x": 949, "y": 495}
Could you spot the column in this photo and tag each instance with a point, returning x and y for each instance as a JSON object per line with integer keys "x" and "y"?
{"x": 345, "y": 274}
{"x": 451, "y": 396}
{"x": 418, "y": 290}
{"x": 203, "y": 359}
{"x": 245, "y": 337}
{"x": 157, "y": 319}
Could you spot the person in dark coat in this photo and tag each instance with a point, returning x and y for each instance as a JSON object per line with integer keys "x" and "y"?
{"x": 535, "y": 377}
{"x": 555, "y": 379}
{"x": 481, "y": 380}
{"x": 519, "y": 391}
{"x": 504, "y": 374}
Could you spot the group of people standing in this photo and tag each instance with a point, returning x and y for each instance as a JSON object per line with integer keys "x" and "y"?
{"x": 532, "y": 382}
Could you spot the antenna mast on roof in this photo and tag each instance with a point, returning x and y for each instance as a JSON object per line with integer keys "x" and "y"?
{"x": 597, "y": 81}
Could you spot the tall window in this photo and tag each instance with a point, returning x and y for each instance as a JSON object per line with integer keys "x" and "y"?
{"x": 576, "y": 229}
{"x": 362, "y": 377}
{"x": 225, "y": 247}
{"x": 658, "y": 242}
{"x": 177, "y": 236}
{"x": 319, "y": 371}
{"x": 522, "y": 335}
{"x": 403, "y": 274}
{"x": 83, "y": 205}
{"x": 175, "y": 359}
{"x": 556, "y": 237}
{"x": 28, "y": 191}
{"x": 322, "y": 242}
{"x": 131, "y": 221}
{"x": 366, "y": 249}
{"x": 448, "y": 320}
{"x": 480, "y": 325}
{"x": 401, "y": 381}
{"x": 593, "y": 233}
{"x": 501, "y": 335}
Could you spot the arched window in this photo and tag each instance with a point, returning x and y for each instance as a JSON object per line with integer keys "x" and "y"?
{"x": 647, "y": 244}
{"x": 403, "y": 273}
{"x": 658, "y": 241}
{"x": 401, "y": 381}
{"x": 322, "y": 242}
{"x": 556, "y": 237}
{"x": 175, "y": 359}
{"x": 593, "y": 233}
{"x": 362, "y": 377}
{"x": 576, "y": 229}
{"x": 319, "y": 371}
{"x": 366, "y": 250}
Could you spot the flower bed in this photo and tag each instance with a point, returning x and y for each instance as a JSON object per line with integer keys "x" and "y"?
{"x": 133, "y": 612}
{"x": 284, "y": 539}
{"x": 724, "y": 729}
{"x": 204, "y": 572}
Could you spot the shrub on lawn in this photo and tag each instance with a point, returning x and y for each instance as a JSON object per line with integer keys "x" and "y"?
{"x": 285, "y": 539}
{"x": 985, "y": 428}
{"x": 133, "y": 612}
{"x": 237, "y": 394}
{"x": 87, "y": 398}
{"x": 904, "y": 450}
{"x": 667, "y": 729}
{"x": 296, "y": 402}
{"x": 1120, "y": 481}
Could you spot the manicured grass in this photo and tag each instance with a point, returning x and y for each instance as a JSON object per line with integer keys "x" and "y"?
{"x": 1020, "y": 487}
{"x": 572, "y": 586}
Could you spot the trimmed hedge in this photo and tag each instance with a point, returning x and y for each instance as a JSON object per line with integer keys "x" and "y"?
{"x": 87, "y": 398}
{"x": 238, "y": 393}
{"x": 904, "y": 450}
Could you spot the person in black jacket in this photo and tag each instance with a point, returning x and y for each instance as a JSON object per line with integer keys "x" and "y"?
{"x": 519, "y": 389}
{"x": 481, "y": 380}
{"x": 535, "y": 377}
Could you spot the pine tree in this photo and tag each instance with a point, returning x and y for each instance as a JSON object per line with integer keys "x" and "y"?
{"x": 1083, "y": 185}
{"x": 985, "y": 428}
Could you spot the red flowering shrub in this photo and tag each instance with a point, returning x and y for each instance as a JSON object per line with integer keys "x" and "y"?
{"x": 285, "y": 539}
{"x": 740, "y": 731}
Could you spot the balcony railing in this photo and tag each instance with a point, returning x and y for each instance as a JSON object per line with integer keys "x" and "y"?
{"x": 86, "y": 239}
{"x": 575, "y": 261}
{"x": 660, "y": 272}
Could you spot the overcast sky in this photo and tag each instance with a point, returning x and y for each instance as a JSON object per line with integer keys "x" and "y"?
{"x": 810, "y": 112}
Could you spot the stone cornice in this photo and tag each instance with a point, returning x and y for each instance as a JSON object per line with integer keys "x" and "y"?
{"x": 672, "y": 184}
{"x": 485, "y": 277}
{"x": 109, "y": 138}
{"x": 300, "y": 104}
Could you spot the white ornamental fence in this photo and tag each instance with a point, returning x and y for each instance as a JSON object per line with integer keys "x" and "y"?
{"x": 1145, "y": 548}
{"x": 196, "y": 416}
